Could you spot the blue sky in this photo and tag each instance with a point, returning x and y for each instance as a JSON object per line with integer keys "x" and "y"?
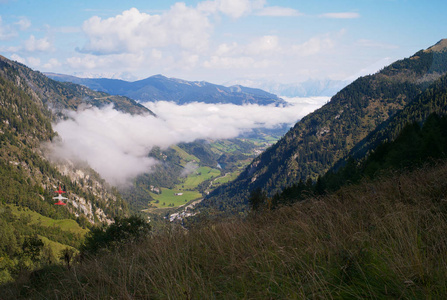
{"x": 219, "y": 41}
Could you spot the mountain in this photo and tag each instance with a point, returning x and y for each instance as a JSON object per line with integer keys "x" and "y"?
{"x": 29, "y": 103}
{"x": 161, "y": 88}
{"x": 432, "y": 100}
{"x": 308, "y": 88}
{"x": 414, "y": 137}
{"x": 323, "y": 137}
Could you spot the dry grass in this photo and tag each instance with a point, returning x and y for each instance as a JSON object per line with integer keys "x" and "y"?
{"x": 380, "y": 240}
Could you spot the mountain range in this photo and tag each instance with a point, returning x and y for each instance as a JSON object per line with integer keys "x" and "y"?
{"x": 161, "y": 88}
{"x": 308, "y": 88}
{"x": 318, "y": 141}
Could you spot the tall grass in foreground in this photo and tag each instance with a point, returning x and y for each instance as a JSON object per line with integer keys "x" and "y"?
{"x": 380, "y": 240}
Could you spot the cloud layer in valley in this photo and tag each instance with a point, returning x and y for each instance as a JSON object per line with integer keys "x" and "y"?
{"x": 116, "y": 144}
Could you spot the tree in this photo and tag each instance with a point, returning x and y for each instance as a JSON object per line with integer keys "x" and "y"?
{"x": 32, "y": 246}
{"x": 257, "y": 198}
{"x": 121, "y": 232}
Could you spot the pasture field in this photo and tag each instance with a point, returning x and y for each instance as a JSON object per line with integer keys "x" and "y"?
{"x": 227, "y": 178}
{"x": 167, "y": 198}
{"x": 197, "y": 177}
{"x": 185, "y": 155}
{"x": 38, "y": 219}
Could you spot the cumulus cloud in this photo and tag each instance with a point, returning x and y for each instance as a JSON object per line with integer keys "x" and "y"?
{"x": 52, "y": 63}
{"x": 232, "y": 8}
{"x": 18, "y": 58}
{"x": 33, "y": 61}
{"x": 133, "y": 31}
{"x": 264, "y": 45}
{"x": 23, "y": 23}
{"x": 116, "y": 144}
{"x": 33, "y": 44}
{"x": 313, "y": 46}
{"x": 6, "y": 31}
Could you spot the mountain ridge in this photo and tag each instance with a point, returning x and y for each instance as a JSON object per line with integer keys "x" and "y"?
{"x": 162, "y": 88}
{"x": 323, "y": 137}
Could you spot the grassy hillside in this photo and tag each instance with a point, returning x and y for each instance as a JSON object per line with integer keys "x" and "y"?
{"x": 383, "y": 240}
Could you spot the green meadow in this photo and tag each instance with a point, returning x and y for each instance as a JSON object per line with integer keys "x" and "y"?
{"x": 168, "y": 197}
{"x": 37, "y": 219}
{"x": 197, "y": 177}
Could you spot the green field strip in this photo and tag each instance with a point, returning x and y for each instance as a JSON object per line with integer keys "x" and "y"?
{"x": 184, "y": 155}
{"x": 168, "y": 197}
{"x": 38, "y": 219}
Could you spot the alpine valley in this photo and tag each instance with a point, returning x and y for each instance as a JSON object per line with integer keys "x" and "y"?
{"x": 31, "y": 102}
{"x": 350, "y": 203}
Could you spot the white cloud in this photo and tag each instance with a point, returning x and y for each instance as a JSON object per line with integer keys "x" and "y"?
{"x": 264, "y": 45}
{"x": 341, "y": 15}
{"x": 52, "y": 63}
{"x": 86, "y": 62}
{"x": 18, "y": 58}
{"x": 116, "y": 144}
{"x": 6, "y": 31}
{"x": 313, "y": 46}
{"x": 33, "y": 44}
{"x": 33, "y": 61}
{"x": 278, "y": 11}
{"x": 232, "y": 8}
{"x": 218, "y": 62}
{"x": 133, "y": 31}
{"x": 226, "y": 49}
{"x": 23, "y": 23}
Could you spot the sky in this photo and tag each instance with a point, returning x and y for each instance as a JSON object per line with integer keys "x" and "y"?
{"x": 219, "y": 41}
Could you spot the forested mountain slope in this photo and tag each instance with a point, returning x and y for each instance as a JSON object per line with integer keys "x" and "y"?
{"x": 48, "y": 93}
{"x": 29, "y": 102}
{"x": 323, "y": 137}
{"x": 432, "y": 100}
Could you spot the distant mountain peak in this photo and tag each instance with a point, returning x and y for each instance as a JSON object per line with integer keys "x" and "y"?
{"x": 158, "y": 76}
{"x": 159, "y": 87}
{"x": 440, "y": 46}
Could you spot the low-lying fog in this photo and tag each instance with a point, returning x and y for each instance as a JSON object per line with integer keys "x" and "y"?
{"x": 116, "y": 144}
